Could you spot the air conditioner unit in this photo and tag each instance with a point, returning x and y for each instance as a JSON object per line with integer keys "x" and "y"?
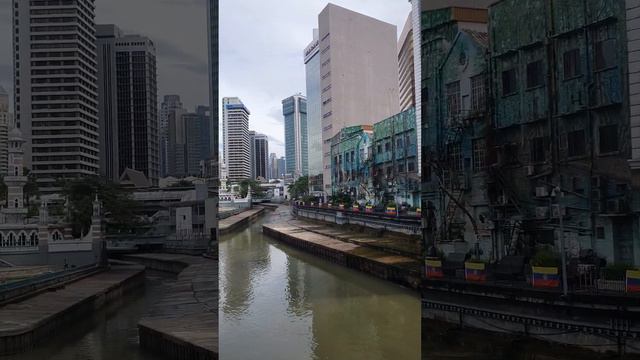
{"x": 531, "y": 170}
{"x": 542, "y": 212}
{"x": 542, "y": 191}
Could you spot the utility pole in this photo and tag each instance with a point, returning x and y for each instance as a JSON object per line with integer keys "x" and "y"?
{"x": 563, "y": 257}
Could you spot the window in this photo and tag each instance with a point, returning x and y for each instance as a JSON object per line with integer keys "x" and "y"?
{"x": 572, "y": 64}
{"x": 380, "y": 149}
{"x": 509, "y": 82}
{"x": 537, "y": 150}
{"x": 576, "y": 144}
{"x": 479, "y": 155}
{"x": 387, "y": 146}
{"x": 478, "y": 97}
{"x": 401, "y": 168}
{"x": 606, "y": 54}
{"x": 455, "y": 156}
{"x": 399, "y": 143}
{"x": 453, "y": 99}
{"x": 534, "y": 74}
{"x": 608, "y": 139}
{"x": 411, "y": 166}
{"x": 600, "y": 232}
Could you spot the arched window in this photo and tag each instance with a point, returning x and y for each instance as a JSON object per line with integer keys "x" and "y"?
{"x": 3, "y": 240}
{"x": 15, "y": 171}
{"x": 56, "y": 235}
{"x": 22, "y": 239}
{"x": 33, "y": 239}
{"x": 12, "y": 239}
{"x": 16, "y": 203}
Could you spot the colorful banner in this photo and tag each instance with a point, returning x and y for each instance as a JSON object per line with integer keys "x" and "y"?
{"x": 434, "y": 269}
{"x": 475, "y": 271}
{"x": 633, "y": 281}
{"x": 341, "y": 206}
{"x": 369, "y": 209}
{"x": 391, "y": 211}
{"x": 355, "y": 209}
{"x": 545, "y": 277}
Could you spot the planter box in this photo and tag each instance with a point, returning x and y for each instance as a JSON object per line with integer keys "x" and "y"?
{"x": 433, "y": 267}
{"x": 391, "y": 211}
{"x": 633, "y": 281}
{"x": 475, "y": 271}
{"x": 545, "y": 277}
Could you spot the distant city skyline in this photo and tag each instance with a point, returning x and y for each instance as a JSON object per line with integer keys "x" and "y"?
{"x": 177, "y": 31}
{"x": 251, "y": 28}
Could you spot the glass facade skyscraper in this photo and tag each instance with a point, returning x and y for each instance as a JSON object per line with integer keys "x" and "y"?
{"x": 314, "y": 112}
{"x": 294, "y": 109}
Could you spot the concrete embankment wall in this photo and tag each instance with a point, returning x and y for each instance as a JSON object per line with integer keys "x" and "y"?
{"x": 402, "y": 275}
{"x": 23, "y": 338}
{"x": 236, "y": 222}
{"x": 158, "y": 334}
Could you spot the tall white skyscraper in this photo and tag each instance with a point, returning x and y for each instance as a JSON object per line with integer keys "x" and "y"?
{"x": 235, "y": 138}
{"x": 128, "y": 104}
{"x": 358, "y": 72}
{"x": 5, "y": 124}
{"x": 406, "y": 78}
{"x": 294, "y": 109}
{"x": 56, "y": 95}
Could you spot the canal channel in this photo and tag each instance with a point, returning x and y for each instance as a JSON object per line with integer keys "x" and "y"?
{"x": 280, "y": 303}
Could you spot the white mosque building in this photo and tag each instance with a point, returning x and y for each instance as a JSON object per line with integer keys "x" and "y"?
{"x": 41, "y": 240}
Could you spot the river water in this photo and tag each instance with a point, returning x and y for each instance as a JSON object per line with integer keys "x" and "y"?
{"x": 282, "y": 304}
{"x": 109, "y": 333}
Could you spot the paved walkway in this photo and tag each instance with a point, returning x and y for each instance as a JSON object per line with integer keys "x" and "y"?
{"x": 407, "y": 246}
{"x": 188, "y": 313}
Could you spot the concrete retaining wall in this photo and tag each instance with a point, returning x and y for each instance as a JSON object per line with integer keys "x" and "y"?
{"x": 380, "y": 270}
{"x": 170, "y": 347}
{"x": 241, "y": 222}
{"x": 12, "y": 343}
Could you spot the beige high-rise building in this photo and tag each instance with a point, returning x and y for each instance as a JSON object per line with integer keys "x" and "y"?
{"x": 406, "y": 77}
{"x": 358, "y": 72}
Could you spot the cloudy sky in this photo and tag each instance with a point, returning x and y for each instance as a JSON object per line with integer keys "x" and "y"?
{"x": 261, "y": 45}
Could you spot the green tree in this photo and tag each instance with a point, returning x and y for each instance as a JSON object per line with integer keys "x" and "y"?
{"x": 256, "y": 189}
{"x": 299, "y": 188}
{"x": 31, "y": 189}
{"x": 118, "y": 207}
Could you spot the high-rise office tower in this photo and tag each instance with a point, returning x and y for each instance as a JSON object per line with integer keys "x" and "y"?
{"x": 169, "y": 105}
{"x": 358, "y": 74}
{"x": 5, "y": 124}
{"x": 128, "y": 103}
{"x": 197, "y": 141}
{"x": 261, "y": 156}
{"x": 406, "y": 77}
{"x": 176, "y": 153}
{"x": 273, "y": 166}
{"x": 294, "y": 109}
{"x": 212, "y": 27}
{"x": 252, "y": 152}
{"x": 314, "y": 112}
{"x": 56, "y": 93}
{"x": 235, "y": 138}
{"x": 281, "y": 166}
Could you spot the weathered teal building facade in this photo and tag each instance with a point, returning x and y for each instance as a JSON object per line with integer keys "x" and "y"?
{"x": 554, "y": 136}
{"x": 394, "y": 167}
{"x": 351, "y": 162}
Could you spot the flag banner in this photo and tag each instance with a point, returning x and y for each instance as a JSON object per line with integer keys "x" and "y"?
{"x": 475, "y": 271}
{"x": 391, "y": 211}
{"x": 633, "y": 281}
{"x": 434, "y": 268}
{"x": 545, "y": 277}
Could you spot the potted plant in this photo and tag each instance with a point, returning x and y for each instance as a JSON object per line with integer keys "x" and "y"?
{"x": 391, "y": 208}
{"x": 475, "y": 269}
{"x": 544, "y": 268}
